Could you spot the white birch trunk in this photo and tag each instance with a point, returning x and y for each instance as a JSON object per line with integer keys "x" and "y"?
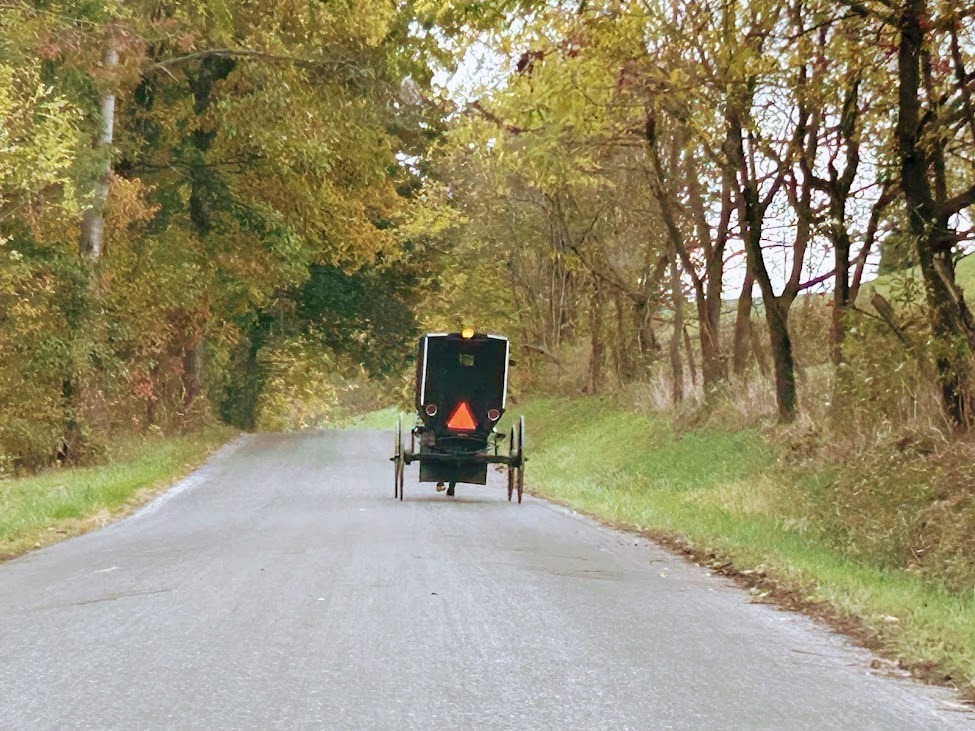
{"x": 93, "y": 223}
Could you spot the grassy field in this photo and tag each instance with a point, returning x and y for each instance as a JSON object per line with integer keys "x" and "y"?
{"x": 54, "y": 505}
{"x": 889, "y": 284}
{"x": 725, "y": 498}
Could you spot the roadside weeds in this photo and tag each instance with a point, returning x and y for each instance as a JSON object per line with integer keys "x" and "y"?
{"x": 722, "y": 499}
{"x": 58, "y": 504}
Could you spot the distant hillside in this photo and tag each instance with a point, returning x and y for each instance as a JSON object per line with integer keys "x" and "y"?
{"x": 887, "y": 284}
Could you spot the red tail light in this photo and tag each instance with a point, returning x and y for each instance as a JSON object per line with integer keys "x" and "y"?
{"x": 431, "y": 409}
{"x": 494, "y": 414}
{"x": 462, "y": 419}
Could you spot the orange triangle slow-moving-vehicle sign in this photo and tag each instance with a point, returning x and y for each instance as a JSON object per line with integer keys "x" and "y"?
{"x": 462, "y": 419}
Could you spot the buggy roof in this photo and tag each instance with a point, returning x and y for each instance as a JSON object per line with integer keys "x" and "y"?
{"x": 451, "y": 368}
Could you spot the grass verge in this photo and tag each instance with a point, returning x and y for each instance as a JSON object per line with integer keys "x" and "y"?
{"x": 384, "y": 419}
{"x": 49, "y": 507}
{"x": 724, "y": 498}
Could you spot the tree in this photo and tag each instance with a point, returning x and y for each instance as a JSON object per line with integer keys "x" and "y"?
{"x": 237, "y": 149}
{"x": 934, "y": 104}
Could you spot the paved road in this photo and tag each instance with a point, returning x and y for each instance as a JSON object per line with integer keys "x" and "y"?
{"x": 281, "y": 587}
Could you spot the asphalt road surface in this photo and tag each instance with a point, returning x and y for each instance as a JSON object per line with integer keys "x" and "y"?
{"x": 282, "y": 587}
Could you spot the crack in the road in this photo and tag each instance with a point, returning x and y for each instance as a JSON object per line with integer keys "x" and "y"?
{"x": 98, "y": 600}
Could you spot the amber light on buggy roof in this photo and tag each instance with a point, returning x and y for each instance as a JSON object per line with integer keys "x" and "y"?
{"x": 467, "y": 333}
{"x": 462, "y": 419}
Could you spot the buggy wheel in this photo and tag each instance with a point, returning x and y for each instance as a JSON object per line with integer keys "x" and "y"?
{"x": 399, "y": 460}
{"x": 511, "y": 466}
{"x": 521, "y": 457}
{"x": 397, "y": 447}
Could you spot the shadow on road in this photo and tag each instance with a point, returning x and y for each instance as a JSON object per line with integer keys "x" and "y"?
{"x": 441, "y": 499}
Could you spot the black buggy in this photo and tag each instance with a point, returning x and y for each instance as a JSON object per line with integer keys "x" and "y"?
{"x": 461, "y": 391}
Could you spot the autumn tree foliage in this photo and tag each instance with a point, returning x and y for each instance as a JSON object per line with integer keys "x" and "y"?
{"x": 640, "y": 161}
{"x": 175, "y": 181}
{"x": 677, "y": 193}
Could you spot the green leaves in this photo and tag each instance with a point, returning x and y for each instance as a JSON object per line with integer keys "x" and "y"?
{"x": 37, "y": 141}
{"x": 254, "y": 144}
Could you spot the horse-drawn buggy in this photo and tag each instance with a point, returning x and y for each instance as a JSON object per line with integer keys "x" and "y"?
{"x": 461, "y": 394}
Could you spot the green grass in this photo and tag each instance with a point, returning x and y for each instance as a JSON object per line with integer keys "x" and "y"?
{"x": 381, "y": 419}
{"x": 889, "y": 284}
{"x": 42, "y": 509}
{"x": 725, "y": 492}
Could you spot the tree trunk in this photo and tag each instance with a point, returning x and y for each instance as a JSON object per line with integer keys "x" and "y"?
{"x": 192, "y": 376}
{"x": 841, "y": 294}
{"x": 596, "y": 354}
{"x": 205, "y": 186}
{"x": 953, "y": 329}
{"x": 952, "y": 324}
{"x": 753, "y": 208}
{"x": 689, "y": 352}
{"x": 676, "y": 367}
{"x": 713, "y": 365}
{"x": 93, "y": 222}
{"x": 838, "y": 188}
{"x": 241, "y": 396}
{"x": 645, "y": 308}
{"x": 758, "y": 348}
{"x": 708, "y": 294}
{"x": 743, "y": 321}
{"x": 152, "y": 399}
{"x": 624, "y": 340}
{"x": 707, "y": 291}
{"x": 647, "y": 342}
{"x": 777, "y": 318}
